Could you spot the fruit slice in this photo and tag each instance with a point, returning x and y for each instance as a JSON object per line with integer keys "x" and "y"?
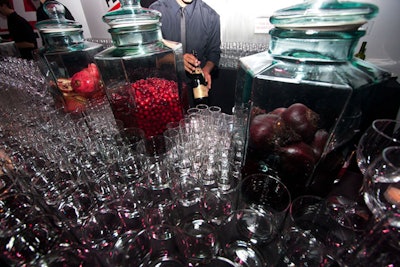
{"x": 392, "y": 194}
{"x": 74, "y": 104}
{"x": 64, "y": 84}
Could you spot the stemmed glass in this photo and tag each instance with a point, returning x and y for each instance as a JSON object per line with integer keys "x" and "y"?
{"x": 381, "y": 134}
{"x": 381, "y": 186}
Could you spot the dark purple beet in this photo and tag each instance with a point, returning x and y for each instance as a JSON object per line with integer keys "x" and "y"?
{"x": 302, "y": 120}
{"x": 269, "y": 132}
{"x": 278, "y": 111}
{"x": 256, "y": 111}
{"x": 319, "y": 142}
{"x": 263, "y": 131}
{"x": 297, "y": 158}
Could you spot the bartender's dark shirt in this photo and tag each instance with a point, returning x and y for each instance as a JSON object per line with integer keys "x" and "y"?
{"x": 21, "y": 31}
{"x": 42, "y": 15}
{"x": 203, "y": 32}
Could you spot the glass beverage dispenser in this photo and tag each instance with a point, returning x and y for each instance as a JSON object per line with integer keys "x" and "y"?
{"x": 305, "y": 95}
{"x": 142, "y": 73}
{"x": 70, "y": 61}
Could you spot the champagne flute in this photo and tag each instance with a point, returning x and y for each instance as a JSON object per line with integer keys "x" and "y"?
{"x": 381, "y": 134}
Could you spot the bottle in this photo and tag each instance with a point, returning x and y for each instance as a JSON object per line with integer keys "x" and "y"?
{"x": 361, "y": 53}
{"x": 199, "y": 85}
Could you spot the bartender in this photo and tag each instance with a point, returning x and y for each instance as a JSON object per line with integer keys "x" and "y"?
{"x": 200, "y": 32}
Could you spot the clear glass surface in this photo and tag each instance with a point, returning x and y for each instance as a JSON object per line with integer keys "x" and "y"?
{"x": 305, "y": 95}
{"x": 325, "y": 15}
{"x": 381, "y": 186}
{"x": 70, "y": 61}
{"x": 381, "y": 134}
{"x": 142, "y": 73}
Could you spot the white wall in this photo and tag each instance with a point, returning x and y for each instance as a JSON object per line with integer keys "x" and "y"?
{"x": 77, "y": 11}
{"x": 383, "y": 36}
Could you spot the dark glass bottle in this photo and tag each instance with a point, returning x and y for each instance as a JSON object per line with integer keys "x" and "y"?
{"x": 361, "y": 52}
{"x": 199, "y": 85}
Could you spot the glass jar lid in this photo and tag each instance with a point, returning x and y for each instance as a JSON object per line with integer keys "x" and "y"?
{"x": 57, "y": 21}
{"x": 329, "y": 15}
{"x": 131, "y": 14}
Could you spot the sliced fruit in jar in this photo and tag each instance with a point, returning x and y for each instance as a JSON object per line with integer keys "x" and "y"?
{"x": 74, "y": 104}
{"x": 64, "y": 84}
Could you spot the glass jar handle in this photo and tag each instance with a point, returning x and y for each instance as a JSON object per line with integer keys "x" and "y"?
{"x": 130, "y": 3}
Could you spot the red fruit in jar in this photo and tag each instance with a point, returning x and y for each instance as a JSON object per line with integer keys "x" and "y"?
{"x": 302, "y": 120}
{"x": 156, "y": 103}
{"x": 278, "y": 111}
{"x": 268, "y": 131}
{"x": 94, "y": 71}
{"x": 84, "y": 82}
{"x": 74, "y": 104}
{"x": 262, "y": 131}
{"x": 64, "y": 85}
{"x": 297, "y": 159}
{"x": 256, "y": 111}
{"x": 319, "y": 142}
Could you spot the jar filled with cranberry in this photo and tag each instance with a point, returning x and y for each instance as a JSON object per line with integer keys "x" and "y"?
{"x": 307, "y": 97}
{"x": 142, "y": 73}
{"x": 69, "y": 61}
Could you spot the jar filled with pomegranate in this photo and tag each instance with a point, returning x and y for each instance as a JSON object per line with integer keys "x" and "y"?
{"x": 142, "y": 72}
{"x": 307, "y": 95}
{"x": 69, "y": 61}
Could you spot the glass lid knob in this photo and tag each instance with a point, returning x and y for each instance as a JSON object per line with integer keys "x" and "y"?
{"x": 131, "y": 13}
{"x": 57, "y": 21}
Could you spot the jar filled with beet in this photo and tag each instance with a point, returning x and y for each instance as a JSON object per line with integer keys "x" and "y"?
{"x": 68, "y": 61}
{"x": 142, "y": 72}
{"x": 307, "y": 96}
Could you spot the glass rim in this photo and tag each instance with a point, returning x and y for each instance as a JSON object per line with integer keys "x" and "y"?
{"x": 386, "y": 122}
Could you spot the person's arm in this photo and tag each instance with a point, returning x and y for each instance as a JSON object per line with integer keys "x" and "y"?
{"x": 207, "y": 72}
{"x": 41, "y": 14}
{"x": 68, "y": 14}
{"x": 213, "y": 50}
{"x": 24, "y": 45}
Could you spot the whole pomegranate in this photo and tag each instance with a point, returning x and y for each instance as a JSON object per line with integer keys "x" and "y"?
{"x": 84, "y": 82}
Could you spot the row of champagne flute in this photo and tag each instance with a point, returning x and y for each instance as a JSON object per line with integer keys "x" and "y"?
{"x": 71, "y": 172}
{"x": 99, "y": 193}
{"x": 378, "y": 159}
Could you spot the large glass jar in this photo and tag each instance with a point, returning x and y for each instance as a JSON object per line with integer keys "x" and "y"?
{"x": 142, "y": 73}
{"x": 306, "y": 95}
{"x": 70, "y": 61}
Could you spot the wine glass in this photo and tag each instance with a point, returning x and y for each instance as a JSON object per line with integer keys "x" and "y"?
{"x": 381, "y": 188}
{"x": 381, "y": 134}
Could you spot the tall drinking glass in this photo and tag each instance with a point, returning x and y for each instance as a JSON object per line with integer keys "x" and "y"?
{"x": 381, "y": 134}
{"x": 381, "y": 186}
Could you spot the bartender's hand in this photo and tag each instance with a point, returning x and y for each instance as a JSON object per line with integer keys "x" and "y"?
{"x": 191, "y": 63}
{"x": 207, "y": 76}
